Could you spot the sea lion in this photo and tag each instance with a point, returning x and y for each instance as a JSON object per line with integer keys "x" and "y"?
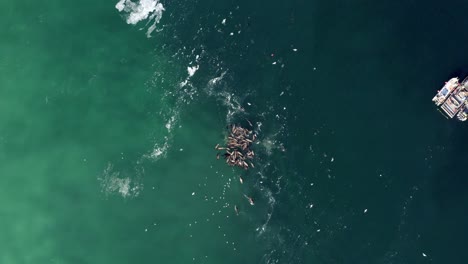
{"x": 251, "y": 201}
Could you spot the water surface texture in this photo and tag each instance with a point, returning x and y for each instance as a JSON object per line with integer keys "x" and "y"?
{"x": 110, "y": 111}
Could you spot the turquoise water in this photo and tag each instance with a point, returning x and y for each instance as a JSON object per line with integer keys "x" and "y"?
{"x": 110, "y": 112}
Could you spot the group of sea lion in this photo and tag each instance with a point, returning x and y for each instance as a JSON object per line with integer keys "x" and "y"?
{"x": 238, "y": 147}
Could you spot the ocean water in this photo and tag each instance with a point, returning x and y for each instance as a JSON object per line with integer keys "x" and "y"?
{"x": 110, "y": 111}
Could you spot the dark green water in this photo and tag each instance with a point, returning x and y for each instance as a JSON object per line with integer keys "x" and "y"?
{"x": 107, "y": 135}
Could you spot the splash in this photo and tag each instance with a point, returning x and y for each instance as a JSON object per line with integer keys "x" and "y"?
{"x": 191, "y": 70}
{"x": 150, "y": 10}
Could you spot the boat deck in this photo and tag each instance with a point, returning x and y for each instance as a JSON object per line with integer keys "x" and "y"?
{"x": 452, "y": 99}
{"x": 446, "y": 91}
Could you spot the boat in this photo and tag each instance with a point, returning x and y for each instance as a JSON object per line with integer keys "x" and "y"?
{"x": 463, "y": 115}
{"x": 448, "y": 88}
{"x": 452, "y": 99}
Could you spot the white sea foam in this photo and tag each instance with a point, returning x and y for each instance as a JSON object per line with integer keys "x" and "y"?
{"x": 271, "y": 203}
{"x": 113, "y": 182}
{"x": 230, "y": 100}
{"x": 162, "y": 144}
{"x": 191, "y": 70}
{"x": 170, "y": 123}
{"x": 150, "y": 10}
{"x": 185, "y": 82}
{"x": 160, "y": 150}
{"x": 214, "y": 81}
